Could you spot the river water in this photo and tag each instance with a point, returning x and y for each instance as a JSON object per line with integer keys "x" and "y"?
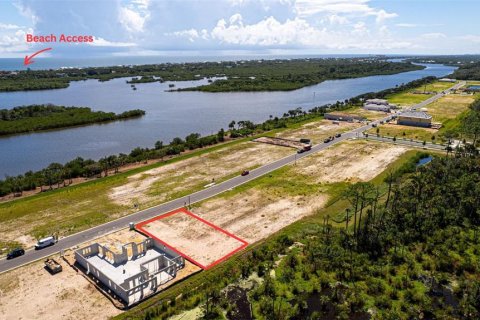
{"x": 169, "y": 114}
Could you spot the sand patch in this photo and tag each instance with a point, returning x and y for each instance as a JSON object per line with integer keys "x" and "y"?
{"x": 350, "y": 161}
{"x": 160, "y": 183}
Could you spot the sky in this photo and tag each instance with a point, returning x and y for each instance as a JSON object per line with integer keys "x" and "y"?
{"x": 196, "y": 27}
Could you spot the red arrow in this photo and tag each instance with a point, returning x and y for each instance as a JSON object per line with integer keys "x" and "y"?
{"x": 28, "y": 59}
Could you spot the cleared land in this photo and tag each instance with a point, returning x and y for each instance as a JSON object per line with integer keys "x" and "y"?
{"x": 195, "y": 239}
{"x": 317, "y": 131}
{"x": 31, "y": 292}
{"x": 368, "y": 114}
{"x": 266, "y": 205}
{"x": 85, "y": 205}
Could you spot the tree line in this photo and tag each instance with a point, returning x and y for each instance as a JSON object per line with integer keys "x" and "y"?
{"x": 47, "y": 116}
{"x": 254, "y": 75}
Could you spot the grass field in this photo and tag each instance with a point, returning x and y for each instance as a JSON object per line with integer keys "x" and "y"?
{"x": 408, "y": 98}
{"x": 404, "y": 132}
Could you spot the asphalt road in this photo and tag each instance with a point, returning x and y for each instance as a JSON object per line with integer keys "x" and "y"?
{"x": 95, "y": 232}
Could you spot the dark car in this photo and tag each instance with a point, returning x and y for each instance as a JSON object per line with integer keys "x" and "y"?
{"x": 327, "y": 140}
{"x": 245, "y": 172}
{"x": 300, "y": 150}
{"x": 15, "y": 253}
{"x": 338, "y": 135}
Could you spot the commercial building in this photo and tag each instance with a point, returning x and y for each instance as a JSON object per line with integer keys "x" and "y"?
{"x": 415, "y": 118}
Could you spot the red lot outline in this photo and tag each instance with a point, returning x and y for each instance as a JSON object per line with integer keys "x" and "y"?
{"x": 140, "y": 225}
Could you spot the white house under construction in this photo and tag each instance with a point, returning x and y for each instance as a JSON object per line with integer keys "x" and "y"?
{"x": 136, "y": 272}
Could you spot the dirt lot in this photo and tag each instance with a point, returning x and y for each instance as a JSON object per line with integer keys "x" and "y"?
{"x": 350, "y": 161}
{"x": 318, "y": 131}
{"x": 31, "y": 292}
{"x": 282, "y": 142}
{"x": 257, "y": 212}
{"x": 194, "y": 238}
{"x": 164, "y": 182}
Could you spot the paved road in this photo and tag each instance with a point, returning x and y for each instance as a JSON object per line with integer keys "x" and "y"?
{"x": 416, "y": 144}
{"x": 95, "y": 232}
{"x": 438, "y": 96}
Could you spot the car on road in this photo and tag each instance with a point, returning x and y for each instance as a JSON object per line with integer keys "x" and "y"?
{"x": 338, "y": 135}
{"x": 327, "y": 140}
{"x": 374, "y": 125}
{"x": 15, "y": 253}
{"x": 300, "y": 151}
{"x": 245, "y": 173}
{"x": 45, "y": 242}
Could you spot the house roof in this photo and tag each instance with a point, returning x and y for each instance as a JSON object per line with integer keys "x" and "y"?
{"x": 416, "y": 114}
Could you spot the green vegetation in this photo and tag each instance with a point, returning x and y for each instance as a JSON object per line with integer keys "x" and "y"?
{"x": 418, "y": 94}
{"x": 257, "y": 75}
{"x": 412, "y": 252}
{"x": 294, "y": 74}
{"x": 44, "y": 117}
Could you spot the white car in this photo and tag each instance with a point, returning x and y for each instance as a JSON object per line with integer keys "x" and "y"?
{"x": 45, "y": 242}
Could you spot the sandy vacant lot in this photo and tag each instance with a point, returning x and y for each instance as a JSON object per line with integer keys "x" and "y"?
{"x": 202, "y": 243}
{"x": 256, "y": 213}
{"x": 318, "y": 131}
{"x": 160, "y": 183}
{"x": 350, "y": 161}
{"x": 31, "y": 292}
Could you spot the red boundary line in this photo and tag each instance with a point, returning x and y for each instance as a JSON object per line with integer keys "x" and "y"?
{"x": 183, "y": 210}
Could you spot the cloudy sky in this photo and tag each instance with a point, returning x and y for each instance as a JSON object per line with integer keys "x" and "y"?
{"x": 172, "y": 27}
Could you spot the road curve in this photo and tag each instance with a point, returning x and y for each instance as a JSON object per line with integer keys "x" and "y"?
{"x": 95, "y": 232}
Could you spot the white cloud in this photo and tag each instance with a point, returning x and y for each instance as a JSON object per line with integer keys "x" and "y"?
{"x": 100, "y": 42}
{"x": 471, "y": 38}
{"x": 306, "y": 8}
{"x": 406, "y": 25}
{"x": 190, "y": 34}
{"x": 433, "y": 36}
{"x": 336, "y": 19}
{"x": 134, "y": 15}
{"x": 271, "y": 33}
{"x": 14, "y": 42}
{"x": 8, "y": 26}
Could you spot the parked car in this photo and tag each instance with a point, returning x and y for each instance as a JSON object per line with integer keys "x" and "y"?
{"x": 45, "y": 242}
{"x": 245, "y": 173}
{"x": 15, "y": 253}
{"x": 327, "y": 140}
{"x": 300, "y": 150}
{"x": 338, "y": 135}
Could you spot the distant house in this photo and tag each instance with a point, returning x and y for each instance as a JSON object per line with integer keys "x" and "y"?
{"x": 378, "y": 105}
{"x": 343, "y": 117}
{"x": 447, "y": 80}
{"x": 415, "y": 119}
